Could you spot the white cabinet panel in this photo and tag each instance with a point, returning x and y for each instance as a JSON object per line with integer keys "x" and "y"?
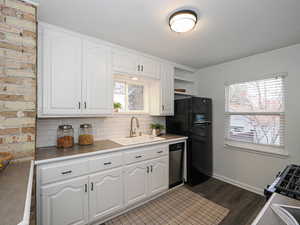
{"x": 106, "y": 193}
{"x": 63, "y": 170}
{"x": 61, "y": 73}
{"x": 159, "y": 172}
{"x": 136, "y": 183}
{"x": 105, "y": 162}
{"x": 167, "y": 90}
{"x": 149, "y": 68}
{"x": 134, "y": 64}
{"x": 97, "y": 79}
{"x": 125, "y": 62}
{"x": 135, "y": 156}
{"x": 162, "y": 98}
{"x": 65, "y": 203}
{"x": 75, "y": 76}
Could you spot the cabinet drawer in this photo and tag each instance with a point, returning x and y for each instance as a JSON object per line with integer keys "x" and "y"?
{"x": 63, "y": 170}
{"x": 106, "y": 162}
{"x": 136, "y": 156}
{"x": 159, "y": 151}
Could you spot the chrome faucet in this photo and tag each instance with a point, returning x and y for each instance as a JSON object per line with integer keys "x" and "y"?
{"x": 133, "y": 131}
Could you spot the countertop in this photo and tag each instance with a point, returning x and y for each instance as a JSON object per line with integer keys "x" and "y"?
{"x": 15, "y": 193}
{"x": 51, "y": 154}
{"x": 267, "y": 216}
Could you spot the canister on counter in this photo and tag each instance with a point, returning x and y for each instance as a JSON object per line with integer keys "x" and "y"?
{"x": 86, "y": 136}
{"x": 65, "y": 136}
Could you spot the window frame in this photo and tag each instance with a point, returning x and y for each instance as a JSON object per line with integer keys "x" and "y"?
{"x": 145, "y": 95}
{"x": 269, "y": 149}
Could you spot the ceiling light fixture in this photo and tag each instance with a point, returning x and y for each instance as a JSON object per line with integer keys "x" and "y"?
{"x": 134, "y": 78}
{"x": 183, "y": 21}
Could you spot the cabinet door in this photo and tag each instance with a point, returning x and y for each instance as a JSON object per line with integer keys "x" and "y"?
{"x": 97, "y": 79}
{"x": 136, "y": 183}
{"x": 149, "y": 67}
{"x": 167, "y": 89}
{"x": 65, "y": 203}
{"x": 125, "y": 62}
{"x": 61, "y": 73}
{"x": 106, "y": 193}
{"x": 159, "y": 175}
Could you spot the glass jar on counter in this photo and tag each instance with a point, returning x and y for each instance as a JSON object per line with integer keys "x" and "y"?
{"x": 86, "y": 136}
{"x": 65, "y": 136}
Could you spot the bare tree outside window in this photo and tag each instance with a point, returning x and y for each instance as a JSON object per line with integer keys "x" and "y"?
{"x": 255, "y": 112}
{"x": 135, "y": 97}
{"x": 129, "y": 97}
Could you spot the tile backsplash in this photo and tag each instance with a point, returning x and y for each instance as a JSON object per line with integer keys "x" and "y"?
{"x": 104, "y": 128}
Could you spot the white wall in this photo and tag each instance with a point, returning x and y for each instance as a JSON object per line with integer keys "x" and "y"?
{"x": 104, "y": 128}
{"x": 247, "y": 168}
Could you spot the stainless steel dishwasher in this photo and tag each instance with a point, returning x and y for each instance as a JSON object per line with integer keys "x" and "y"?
{"x": 176, "y": 164}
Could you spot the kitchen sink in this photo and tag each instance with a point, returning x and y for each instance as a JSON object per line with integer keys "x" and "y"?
{"x": 137, "y": 140}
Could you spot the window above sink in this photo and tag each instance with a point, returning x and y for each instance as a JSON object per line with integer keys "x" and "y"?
{"x": 130, "y": 96}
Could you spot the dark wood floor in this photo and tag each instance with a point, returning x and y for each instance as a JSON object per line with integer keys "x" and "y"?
{"x": 243, "y": 205}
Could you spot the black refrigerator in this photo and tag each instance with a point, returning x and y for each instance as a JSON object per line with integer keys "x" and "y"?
{"x": 193, "y": 118}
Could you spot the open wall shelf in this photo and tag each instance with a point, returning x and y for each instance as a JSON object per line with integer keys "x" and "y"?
{"x": 182, "y": 93}
{"x": 184, "y": 79}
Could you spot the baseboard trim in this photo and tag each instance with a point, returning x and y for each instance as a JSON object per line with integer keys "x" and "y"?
{"x": 247, "y": 187}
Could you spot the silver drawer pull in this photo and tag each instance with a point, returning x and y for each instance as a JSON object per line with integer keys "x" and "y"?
{"x": 66, "y": 172}
{"x": 138, "y": 156}
{"x": 107, "y": 163}
{"x": 160, "y": 152}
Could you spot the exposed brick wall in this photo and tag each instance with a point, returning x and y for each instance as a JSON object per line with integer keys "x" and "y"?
{"x": 17, "y": 78}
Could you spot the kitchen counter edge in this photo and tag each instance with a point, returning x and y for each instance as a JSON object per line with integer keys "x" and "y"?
{"x": 26, "y": 217}
{"x": 109, "y": 150}
{"x": 18, "y": 215}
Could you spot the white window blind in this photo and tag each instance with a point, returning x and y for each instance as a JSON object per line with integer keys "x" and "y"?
{"x": 255, "y": 112}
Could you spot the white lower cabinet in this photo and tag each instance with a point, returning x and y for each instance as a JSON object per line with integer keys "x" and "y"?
{"x": 106, "y": 193}
{"x": 65, "y": 203}
{"x": 159, "y": 173}
{"x": 97, "y": 188}
{"x": 136, "y": 182}
{"x": 146, "y": 179}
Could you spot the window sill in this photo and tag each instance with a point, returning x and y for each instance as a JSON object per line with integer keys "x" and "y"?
{"x": 257, "y": 149}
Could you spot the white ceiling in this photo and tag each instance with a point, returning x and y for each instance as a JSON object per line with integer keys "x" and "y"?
{"x": 227, "y": 29}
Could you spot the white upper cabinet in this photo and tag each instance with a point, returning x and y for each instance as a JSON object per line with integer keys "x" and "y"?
{"x": 134, "y": 64}
{"x": 149, "y": 67}
{"x": 61, "y": 73}
{"x": 75, "y": 76}
{"x": 97, "y": 79}
{"x": 125, "y": 62}
{"x": 167, "y": 90}
{"x": 162, "y": 92}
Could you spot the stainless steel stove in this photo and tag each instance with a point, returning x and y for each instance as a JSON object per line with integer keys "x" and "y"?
{"x": 286, "y": 183}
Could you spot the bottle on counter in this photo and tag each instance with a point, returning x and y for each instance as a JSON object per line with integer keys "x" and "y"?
{"x": 86, "y": 136}
{"x": 65, "y": 136}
